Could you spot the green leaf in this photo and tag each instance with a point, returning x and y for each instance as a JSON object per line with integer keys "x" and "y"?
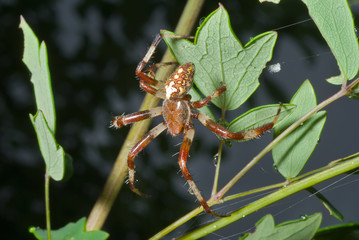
{"x": 291, "y": 154}
{"x": 260, "y": 116}
{"x": 52, "y": 153}
{"x": 219, "y": 57}
{"x": 72, "y": 231}
{"x": 336, "y": 80}
{"x": 342, "y": 231}
{"x": 300, "y": 229}
{"x": 335, "y": 22}
{"x": 44, "y": 121}
{"x": 35, "y": 58}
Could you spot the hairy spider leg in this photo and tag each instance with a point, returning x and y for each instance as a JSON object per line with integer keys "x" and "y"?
{"x": 188, "y": 134}
{"x": 205, "y": 101}
{"x": 225, "y": 133}
{"x": 123, "y": 120}
{"x": 140, "y": 145}
{"x": 141, "y": 74}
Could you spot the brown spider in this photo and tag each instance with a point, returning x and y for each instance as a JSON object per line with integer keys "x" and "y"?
{"x": 177, "y": 111}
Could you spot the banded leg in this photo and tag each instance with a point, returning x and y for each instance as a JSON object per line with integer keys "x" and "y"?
{"x": 142, "y": 75}
{"x": 216, "y": 93}
{"x": 140, "y": 145}
{"x": 225, "y": 133}
{"x": 120, "y": 121}
{"x": 182, "y": 161}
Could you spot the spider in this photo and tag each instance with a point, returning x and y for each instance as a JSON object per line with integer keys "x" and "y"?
{"x": 177, "y": 111}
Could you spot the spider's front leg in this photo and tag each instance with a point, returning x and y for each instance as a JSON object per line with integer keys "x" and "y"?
{"x": 188, "y": 133}
{"x": 140, "y": 145}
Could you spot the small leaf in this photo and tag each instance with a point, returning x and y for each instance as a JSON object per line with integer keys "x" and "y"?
{"x": 336, "y": 80}
{"x": 291, "y": 154}
{"x": 342, "y": 231}
{"x": 259, "y": 116}
{"x": 300, "y": 229}
{"x": 335, "y": 22}
{"x": 72, "y": 231}
{"x": 35, "y": 58}
{"x": 52, "y": 153}
{"x": 219, "y": 58}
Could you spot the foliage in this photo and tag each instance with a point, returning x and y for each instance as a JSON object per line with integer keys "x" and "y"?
{"x": 220, "y": 58}
{"x": 72, "y": 231}
{"x": 300, "y": 229}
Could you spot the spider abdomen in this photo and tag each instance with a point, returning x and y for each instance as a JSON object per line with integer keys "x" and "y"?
{"x": 176, "y": 114}
{"x": 180, "y": 82}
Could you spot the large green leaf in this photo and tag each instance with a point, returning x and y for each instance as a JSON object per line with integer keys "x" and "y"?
{"x": 44, "y": 121}
{"x": 301, "y": 229}
{"x": 291, "y": 154}
{"x": 335, "y": 22}
{"x": 72, "y": 231}
{"x": 219, "y": 58}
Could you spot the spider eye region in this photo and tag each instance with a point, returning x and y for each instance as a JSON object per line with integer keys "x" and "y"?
{"x": 180, "y": 82}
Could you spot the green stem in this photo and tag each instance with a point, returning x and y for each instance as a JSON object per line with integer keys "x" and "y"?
{"x": 118, "y": 174}
{"x": 218, "y": 166}
{"x": 219, "y": 159}
{"x": 274, "y": 197}
{"x": 253, "y": 191}
{"x": 47, "y": 205}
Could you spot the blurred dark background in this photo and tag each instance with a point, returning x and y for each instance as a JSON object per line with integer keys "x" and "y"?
{"x": 93, "y": 49}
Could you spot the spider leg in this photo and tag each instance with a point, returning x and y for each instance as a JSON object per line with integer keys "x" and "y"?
{"x": 142, "y": 75}
{"x": 140, "y": 145}
{"x": 151, "y": 90}
{"x": 221, "y": 131}
{"x": 148, "y": 75}
{"x": 202, "y": 103}
{"x": 182, "y": 161}
{"x": 119, "y": 121}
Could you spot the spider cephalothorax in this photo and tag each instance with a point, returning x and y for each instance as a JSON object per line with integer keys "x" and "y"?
{"x": 177, "y": 111}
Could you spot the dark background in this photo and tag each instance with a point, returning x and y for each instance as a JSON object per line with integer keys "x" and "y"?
{"x": 93, "y": 49}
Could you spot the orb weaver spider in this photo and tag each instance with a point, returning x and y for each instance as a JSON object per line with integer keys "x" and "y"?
{"x": 177, "y": 110}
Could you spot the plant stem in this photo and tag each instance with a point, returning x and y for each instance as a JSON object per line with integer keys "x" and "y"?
{"x": 274, "y": 197}
{"x": 47, "y": 205}
{"x": 343, "y": 92}
{"x": 218, "y": 166}
{"x": 219, "y": 159}
{"x": 118, "y": 174}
